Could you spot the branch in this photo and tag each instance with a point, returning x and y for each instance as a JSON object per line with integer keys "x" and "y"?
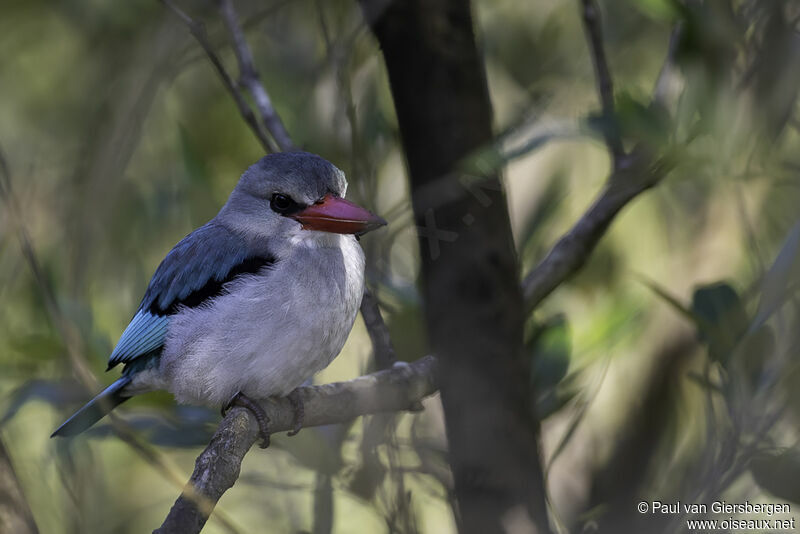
{"x": 400, "y": 388}
{"x": 198, "y": 31}
{"x": 249, "y": 78}
{"x": 378, "y": 332}
{"x": 605, "y": 85}
{"x": 631, "y": 175}
{"x": 382, "y": 347}
{"x": 572, "y": 251}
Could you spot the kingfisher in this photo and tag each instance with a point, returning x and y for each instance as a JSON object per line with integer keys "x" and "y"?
{"x": 251, "y": 304}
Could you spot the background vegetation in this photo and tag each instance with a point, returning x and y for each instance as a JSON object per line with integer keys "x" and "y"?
{"x": 667, "y": 369}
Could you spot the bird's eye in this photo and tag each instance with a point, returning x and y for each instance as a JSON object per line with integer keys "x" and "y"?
{"x": 282, "y": 203}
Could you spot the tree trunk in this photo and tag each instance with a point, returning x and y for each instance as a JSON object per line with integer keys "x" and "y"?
{"x": 473, "y": 303}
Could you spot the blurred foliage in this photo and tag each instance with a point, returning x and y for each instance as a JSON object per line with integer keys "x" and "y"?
{"x": 120, "y": 139}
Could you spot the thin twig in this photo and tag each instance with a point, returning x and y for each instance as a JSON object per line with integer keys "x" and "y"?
{"x": 661, "y": 88}
{"x": 64, "y": 327}
{"x": 378, "y": 331}
{"x": 378, "y": 429}
{"x": 220, "y": 42}
{"x": 248, "y": 77}
{"x": 198, "y": 31}
{"x": 631, "y": 175}
{"x": 400, "y": 388}
{"x": 605, "y": 85}
{"x": 383, "y": 351}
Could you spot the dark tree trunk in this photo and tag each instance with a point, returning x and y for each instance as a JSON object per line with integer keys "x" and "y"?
{"x": 473, "y": 304}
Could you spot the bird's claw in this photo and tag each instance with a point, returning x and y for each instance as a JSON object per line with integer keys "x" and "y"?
{"x": 240, "y": 399}
{"x": 299, "y": 411}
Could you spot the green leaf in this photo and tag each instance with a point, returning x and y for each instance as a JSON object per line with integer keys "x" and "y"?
{"x": 778, "y": 473}
{"x": 723, "y": 316}
{"x": 717, "y": 312}
{"x": 549, "y": 349}
{"x": 548, "y": 346}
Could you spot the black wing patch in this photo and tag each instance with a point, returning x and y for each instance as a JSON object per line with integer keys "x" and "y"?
{"x": 194, "y": 272}
{"x": 213, "y": 287}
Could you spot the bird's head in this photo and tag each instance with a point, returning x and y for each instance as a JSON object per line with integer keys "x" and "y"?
{"x": 295, "y": 195}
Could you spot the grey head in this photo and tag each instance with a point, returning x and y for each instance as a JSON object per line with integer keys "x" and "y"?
{"x": 304, "y": 177}
{"x": 293, "y": 195}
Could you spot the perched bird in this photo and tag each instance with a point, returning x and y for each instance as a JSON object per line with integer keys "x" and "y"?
{"x": 252, "y": 303}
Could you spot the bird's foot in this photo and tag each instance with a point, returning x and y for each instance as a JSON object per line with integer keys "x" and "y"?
{"x": 299, "y": 411}
{"x": 240, "y": 399}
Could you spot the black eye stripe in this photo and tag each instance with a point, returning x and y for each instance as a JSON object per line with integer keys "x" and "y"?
{"x": 284, "y": 204}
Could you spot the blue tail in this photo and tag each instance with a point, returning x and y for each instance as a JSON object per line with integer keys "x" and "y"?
{"x": 94, "y": 410}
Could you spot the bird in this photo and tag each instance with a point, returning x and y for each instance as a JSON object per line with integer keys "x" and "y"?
{"x": 251, "y": 304}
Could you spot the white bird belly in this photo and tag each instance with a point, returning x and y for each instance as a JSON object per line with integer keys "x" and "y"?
{"x": 270, "y": 331}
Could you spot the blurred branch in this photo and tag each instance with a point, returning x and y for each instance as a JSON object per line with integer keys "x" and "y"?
{"x": 383, "y": 350}
{"x": 58, "y": 320}
{"x": 15, "y": 514}
{"x": 572, "y": 251}
{"x": 605, "y": 85}
{"x": 249, "y": 78}
{"x": 631, "y": 175}
{"x": 161, "y": 463}
{"x": 661, "y": 88}
{"x": 221, "y": 42}
{"x": 198, "y": 31}
{"x": 400, "y": 388}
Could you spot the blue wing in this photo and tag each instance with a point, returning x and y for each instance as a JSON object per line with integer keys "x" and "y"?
{"x": 145, "y": 333}
{"x": 194, "y": 272}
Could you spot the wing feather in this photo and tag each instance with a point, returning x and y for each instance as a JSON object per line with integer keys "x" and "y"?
{"x": 145, "y": 333}
{"x": 193, "y": 273}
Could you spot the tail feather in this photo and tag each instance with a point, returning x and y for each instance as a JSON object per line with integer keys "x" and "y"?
{"x": 94, "y": 410}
